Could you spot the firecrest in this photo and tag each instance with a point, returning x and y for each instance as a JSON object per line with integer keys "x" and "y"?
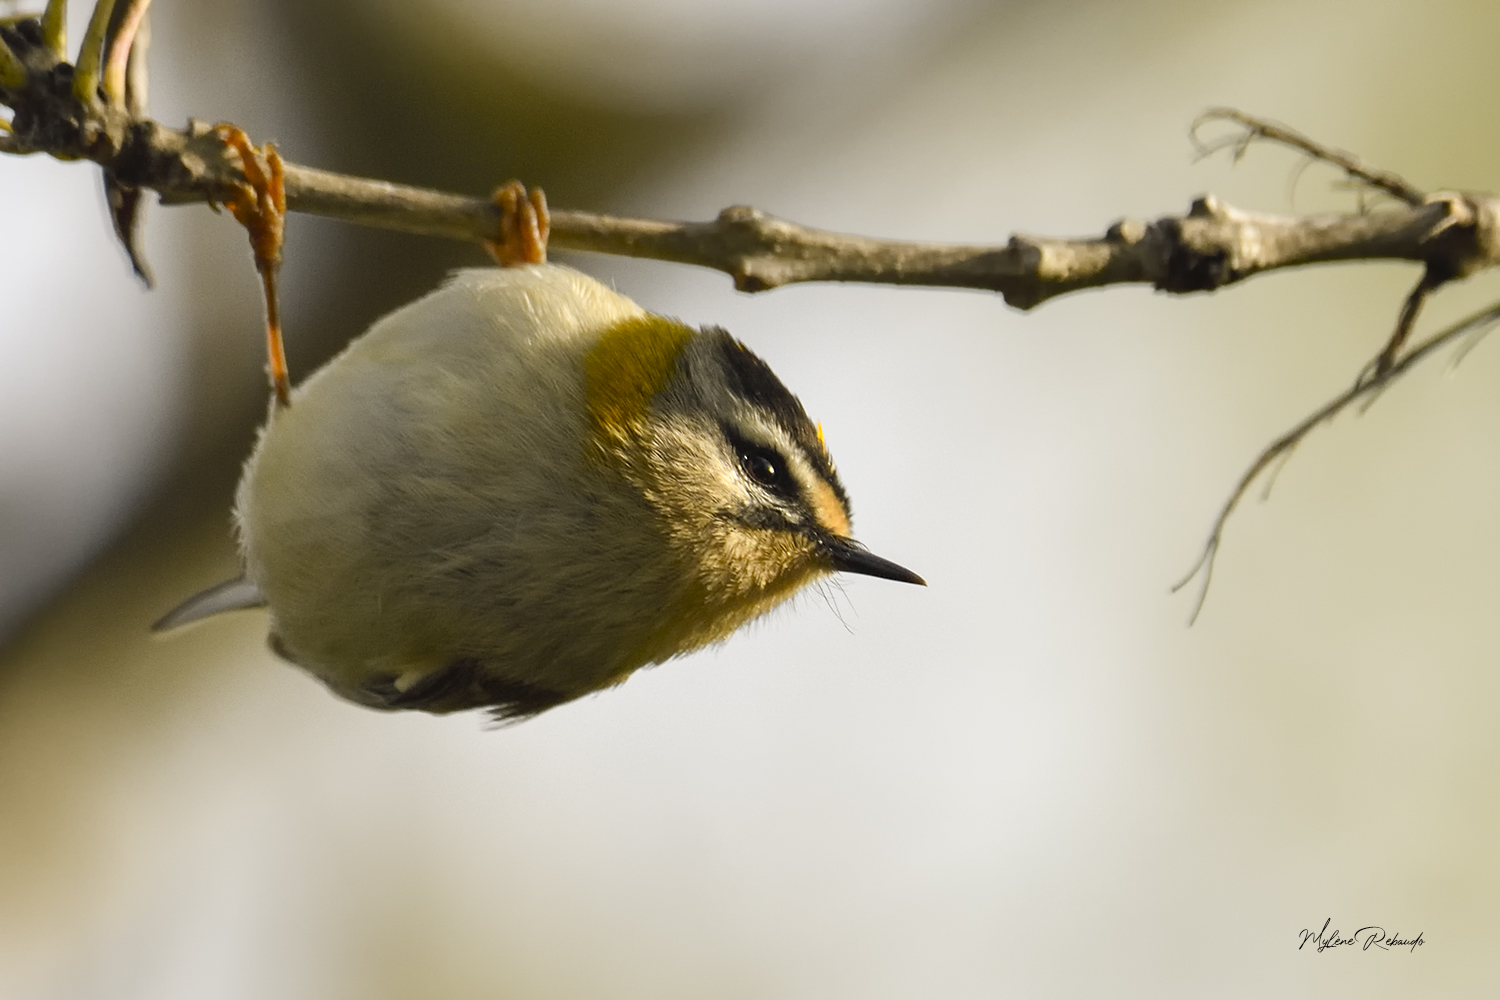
{"x": 522, "y": 488}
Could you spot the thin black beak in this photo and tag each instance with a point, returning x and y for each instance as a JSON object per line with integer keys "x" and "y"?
{"x": 848, "y": 556}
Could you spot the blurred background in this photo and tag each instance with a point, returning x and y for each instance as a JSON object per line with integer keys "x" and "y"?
{"x": 1033, "y": 778}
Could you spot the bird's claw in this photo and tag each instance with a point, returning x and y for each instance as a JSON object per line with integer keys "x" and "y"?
{"x": 524, "y": 226}
{"x": 259, "y": 204}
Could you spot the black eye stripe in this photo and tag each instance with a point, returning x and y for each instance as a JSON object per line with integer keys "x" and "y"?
{"x": 752, "y": 379}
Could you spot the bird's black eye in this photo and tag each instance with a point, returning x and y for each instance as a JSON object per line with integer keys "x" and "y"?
{"x": 766, "y": 467}
{"x": 762, "y": 466}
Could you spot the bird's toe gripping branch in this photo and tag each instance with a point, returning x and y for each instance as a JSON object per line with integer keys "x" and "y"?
{"x": 524, "y": 226}
{"x": 260, "y": 206}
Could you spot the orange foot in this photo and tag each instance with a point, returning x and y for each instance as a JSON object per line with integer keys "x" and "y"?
{"x": 524, "y": 225}
{"x": 259, "y": 204}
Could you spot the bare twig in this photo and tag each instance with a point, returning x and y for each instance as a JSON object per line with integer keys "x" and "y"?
{"x": 1282, "y": 446}
{"x": 1476, "y": 232}
{"x": 1211, "y": 246}
{"x": 1405, "y": 320}
{"x": 1252, "y": 128}
{"x": 1208, "y": 247}
{"x": 1433, "y": 277}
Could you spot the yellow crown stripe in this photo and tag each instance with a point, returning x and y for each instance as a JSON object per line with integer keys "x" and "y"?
{"x": 632, "y": 362}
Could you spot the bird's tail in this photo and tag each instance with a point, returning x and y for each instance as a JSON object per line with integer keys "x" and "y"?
{"x": 231, "y": 595}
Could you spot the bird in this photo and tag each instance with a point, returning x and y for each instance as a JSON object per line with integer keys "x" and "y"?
{"x": 523, "y": 487}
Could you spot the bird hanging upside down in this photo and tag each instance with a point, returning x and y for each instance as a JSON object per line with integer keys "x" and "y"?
{"x": 523, "y": 487}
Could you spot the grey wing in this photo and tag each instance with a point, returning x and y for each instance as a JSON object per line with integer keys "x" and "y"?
{"x": 231, "y": 595}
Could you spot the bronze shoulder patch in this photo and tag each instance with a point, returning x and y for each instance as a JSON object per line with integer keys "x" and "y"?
{"x": 632, "y": 362}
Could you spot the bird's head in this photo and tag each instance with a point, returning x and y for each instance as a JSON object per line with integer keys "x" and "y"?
{"x": 740, "y": 478}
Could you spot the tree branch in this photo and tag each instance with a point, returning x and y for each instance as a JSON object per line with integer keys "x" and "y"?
{"x": 1213, "y": 245}
{"x": 1369, "y": 389}
{"x": 1250, "y": 129}
{"x": 1210, "y": 246}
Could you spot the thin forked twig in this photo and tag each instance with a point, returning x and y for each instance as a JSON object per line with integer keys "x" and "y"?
{"x": 1467, "y": 347}
{"x": 1255, "y": 128}
{"x": 1283, "y": 446}
{"x": 1407, "y": 318}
